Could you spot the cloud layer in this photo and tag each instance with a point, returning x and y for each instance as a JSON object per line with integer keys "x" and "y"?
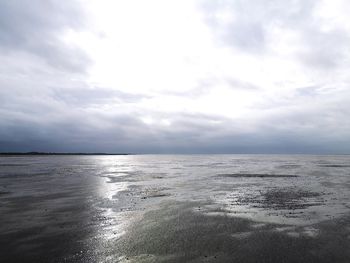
{"x": 194, "y": 76}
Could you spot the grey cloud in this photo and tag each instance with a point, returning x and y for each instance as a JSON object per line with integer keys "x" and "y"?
{"x": 247, "y": 35}
{"x": 326, "y": 50}
{"x": 72, "y": 131}
{"x": 188, "y": 133}
{"x": 85, "y": 96}
{"x": 253, "y": 21}
{"x": 308, "y": 91}
{"x": 322, "y": 118}
{"x": 36, "y": 26}
{"x": 39, "y": 120}
{"x": 248, "y": 28}
{"x": 245, "y": 32}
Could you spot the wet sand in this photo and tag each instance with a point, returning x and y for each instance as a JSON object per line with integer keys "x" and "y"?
{"x": 199, "y": 208}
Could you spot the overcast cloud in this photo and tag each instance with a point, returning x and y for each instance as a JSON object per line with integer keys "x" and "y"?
{"x": 161, "y": 76}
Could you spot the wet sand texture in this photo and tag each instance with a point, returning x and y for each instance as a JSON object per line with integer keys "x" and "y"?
{"x": 184, "y": 208}
{"x": 176, "y": 233}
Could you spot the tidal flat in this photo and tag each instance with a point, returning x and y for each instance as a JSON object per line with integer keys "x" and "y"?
{"x": 175, "y": 208}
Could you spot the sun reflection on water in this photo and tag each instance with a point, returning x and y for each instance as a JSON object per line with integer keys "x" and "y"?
{"x": 114, "y": 178}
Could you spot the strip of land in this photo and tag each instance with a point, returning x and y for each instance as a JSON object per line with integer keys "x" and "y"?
{"x": 57, "y": 153}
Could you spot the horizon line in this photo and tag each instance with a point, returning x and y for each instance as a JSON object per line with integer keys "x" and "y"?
{"x": 150, "y": 153}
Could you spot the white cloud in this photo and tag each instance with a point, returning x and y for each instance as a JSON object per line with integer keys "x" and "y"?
{"x": 176, "y": 75}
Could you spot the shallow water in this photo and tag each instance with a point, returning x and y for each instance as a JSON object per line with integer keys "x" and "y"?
{"x": 141, "y": 208}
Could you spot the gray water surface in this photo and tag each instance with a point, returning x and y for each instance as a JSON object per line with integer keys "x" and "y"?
{"x": 175, "y": 208}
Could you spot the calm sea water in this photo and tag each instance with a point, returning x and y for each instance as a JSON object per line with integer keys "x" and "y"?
{"x": 79, "y": 208}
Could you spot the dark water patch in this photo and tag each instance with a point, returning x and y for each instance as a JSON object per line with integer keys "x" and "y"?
{"x": 289, "y": 166}
{"x": 198, "y": 165}
{"x": 158, "y": 175}
{"x": 136, "y": 193}
{"x": 153, "y": 192}
{"x": 335, "y": 165}
{"x": 290, "y": 199}
{"x": 212, "y": 165}
{"x": 37, "y": 245}
{"x": 46, "y": 235}
{"x": 13, "y": 175}
{"x": 13, "y": 164}
{"x": 154, "y": 195}
{"x": 280, "y": 199}
{"x": 252, "y": 175}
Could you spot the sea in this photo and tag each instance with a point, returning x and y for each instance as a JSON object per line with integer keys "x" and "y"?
{"x": 175, "y": 208}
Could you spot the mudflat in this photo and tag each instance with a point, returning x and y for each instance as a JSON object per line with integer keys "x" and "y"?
{"x": 175, "y": 208}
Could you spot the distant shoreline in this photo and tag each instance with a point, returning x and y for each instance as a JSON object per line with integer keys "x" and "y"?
{"x": 55, "y": 153}
{"x": 4, "y": 154}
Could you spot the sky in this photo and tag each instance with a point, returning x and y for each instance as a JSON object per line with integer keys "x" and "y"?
{"x": 175, "y": 76}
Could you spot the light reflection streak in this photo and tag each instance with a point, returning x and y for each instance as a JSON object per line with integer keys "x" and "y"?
{"x": 114, "y": 179}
